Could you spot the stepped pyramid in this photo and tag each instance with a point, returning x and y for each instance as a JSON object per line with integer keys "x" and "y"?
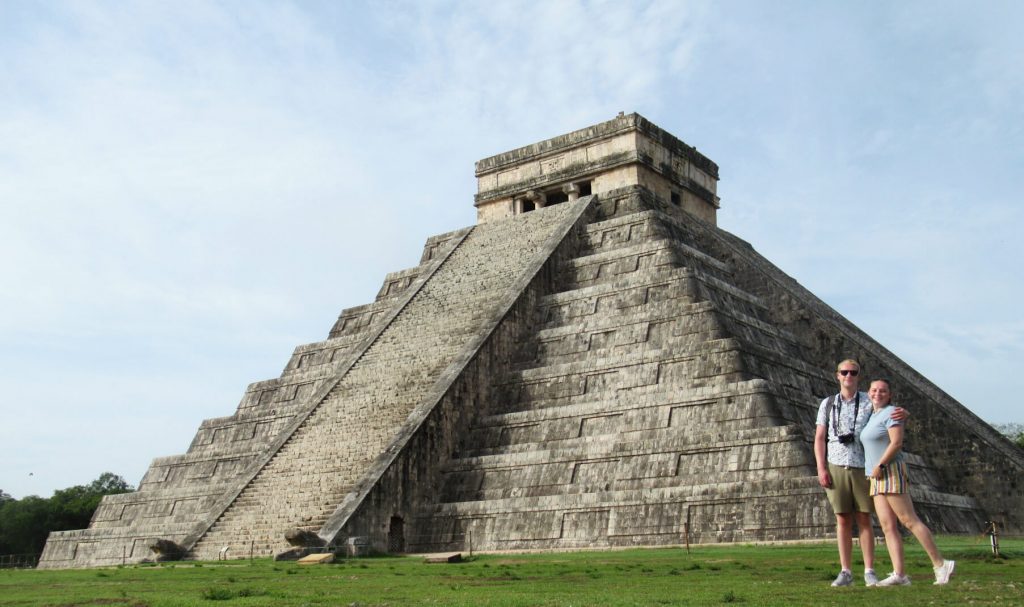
{"x": 593, "y": 364}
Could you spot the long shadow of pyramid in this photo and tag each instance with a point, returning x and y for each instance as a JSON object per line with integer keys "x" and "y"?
{"x": 594, "y": 364}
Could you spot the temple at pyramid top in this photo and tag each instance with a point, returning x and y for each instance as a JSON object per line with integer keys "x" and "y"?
{"x": 626, "y": 151}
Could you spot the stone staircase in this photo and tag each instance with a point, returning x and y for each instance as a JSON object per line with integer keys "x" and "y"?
{"x": 333, "y": 449}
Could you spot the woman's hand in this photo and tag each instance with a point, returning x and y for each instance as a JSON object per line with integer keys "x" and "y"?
{"x": 877, "y": 473}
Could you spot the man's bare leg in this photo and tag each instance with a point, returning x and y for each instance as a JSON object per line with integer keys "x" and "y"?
{"x": 867, "y": 539}
{"x": 844, "y": 538}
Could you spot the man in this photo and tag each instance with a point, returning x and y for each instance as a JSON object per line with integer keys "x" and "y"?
{"x": 840, "y": 459}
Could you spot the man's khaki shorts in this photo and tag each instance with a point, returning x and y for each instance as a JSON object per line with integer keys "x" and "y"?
{"x": 849, "y": 490}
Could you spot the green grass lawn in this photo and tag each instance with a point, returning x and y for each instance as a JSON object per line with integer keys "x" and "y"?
{"x": 709, "y": 575}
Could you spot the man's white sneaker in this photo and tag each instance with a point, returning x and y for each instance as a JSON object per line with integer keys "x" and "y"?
{"x": 895, "y": 579}
{"x": 944, "y": 572}
{"x": 845, "y": 578}
{"x": 870, "y": 579}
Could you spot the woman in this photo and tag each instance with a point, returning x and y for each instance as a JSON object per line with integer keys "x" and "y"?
{"x": 882, "y": 438}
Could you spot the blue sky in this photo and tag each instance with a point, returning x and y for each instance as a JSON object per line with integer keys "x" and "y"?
{"x": 191, "y": 189}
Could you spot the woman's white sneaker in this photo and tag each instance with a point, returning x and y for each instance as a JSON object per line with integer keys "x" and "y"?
{"x": 895, "y": 579}
{"x": 944, "y": 572}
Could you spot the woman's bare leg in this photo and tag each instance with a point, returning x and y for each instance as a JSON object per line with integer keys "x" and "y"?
{"x": 904, "y": 508}
{"x": 893, "y": 540}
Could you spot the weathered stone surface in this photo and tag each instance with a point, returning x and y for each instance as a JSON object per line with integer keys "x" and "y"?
{"x": 303, "y": 538}
{"x": 608, "y": 370}
{"x": 166, "y": 550}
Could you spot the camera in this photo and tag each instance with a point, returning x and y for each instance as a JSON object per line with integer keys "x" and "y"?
{"x": 846, "y": 439}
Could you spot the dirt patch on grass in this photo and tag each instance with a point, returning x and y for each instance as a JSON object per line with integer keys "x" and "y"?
{"x": 512, "y": 562}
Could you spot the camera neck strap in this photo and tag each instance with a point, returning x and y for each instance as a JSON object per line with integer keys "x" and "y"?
{"x": 837, "y": 411}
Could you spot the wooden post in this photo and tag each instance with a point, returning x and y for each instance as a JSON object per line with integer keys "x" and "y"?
{"x": 686, "y": 529}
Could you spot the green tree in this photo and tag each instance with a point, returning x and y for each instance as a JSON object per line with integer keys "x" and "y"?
{"x": 109, "y": 484}
{"x": 1014, "y": 432}
{"x": 23, "y": 525}
{"x": 72, "y": 508}
{"x": 26, "y": 523}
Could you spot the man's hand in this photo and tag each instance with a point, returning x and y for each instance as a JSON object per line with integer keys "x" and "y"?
{"x": 824, "y": 479}
{"x": 900, "y": 414}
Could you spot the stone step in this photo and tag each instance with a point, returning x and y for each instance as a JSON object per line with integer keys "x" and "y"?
{"x": 660, "y": 252}
{"x": 438, "y": 246}
{"x": 698, "y": 396}
{"x": 709, "y": 363}
{"x": 359, "y": 319}
{"x": 663, "y": 409}
{"x": 323, "y": 356}
{"x": 629, "y": 294}
{"x": 735, "y": 511}
{"x": 146, "y": 495}
{"x": 653, "y": 312}
{"x": 142, "y": 527}
{"x": 662, "y": 324}
{"x": 788, "y": 488}
{"x": 396, "y": 284}
{"x": 325, "y": 347}
{"x": 587, "y": 483}
{"x": 271, "y": 396}
{"x": 629, "y": 443}
{"x": 619, "y": 232}
{"x": 234, "y": 441}
{"x": 252, "y": 415}
{"x": 662, "y": 276}
{"x": 626, "y": 343}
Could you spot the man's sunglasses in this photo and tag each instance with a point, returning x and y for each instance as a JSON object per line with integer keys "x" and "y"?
{"x": 845, "y": 372}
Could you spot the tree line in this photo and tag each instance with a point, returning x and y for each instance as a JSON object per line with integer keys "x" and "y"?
{"x": 25, "y": 523}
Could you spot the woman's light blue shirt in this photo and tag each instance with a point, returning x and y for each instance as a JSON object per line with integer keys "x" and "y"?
{"x": 875, "y": 438}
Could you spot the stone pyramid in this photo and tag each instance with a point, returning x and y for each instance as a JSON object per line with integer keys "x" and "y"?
{"x": 593, "y": 364}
